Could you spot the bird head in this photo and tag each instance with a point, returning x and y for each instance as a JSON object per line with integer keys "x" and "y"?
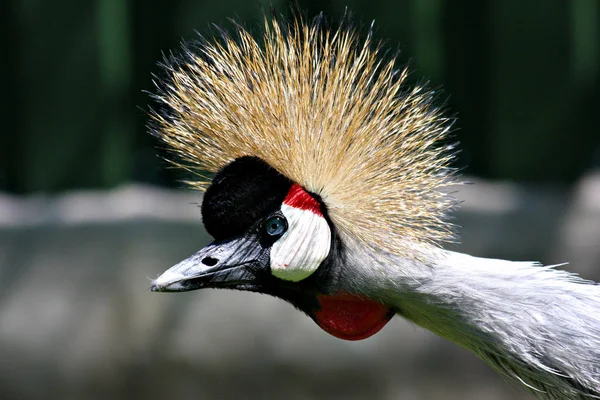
{"x": 318, "y": 149}
{"x": 274, "y": 237}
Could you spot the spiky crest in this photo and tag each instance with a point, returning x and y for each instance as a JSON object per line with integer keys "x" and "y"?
{"x": 324, "y": 108}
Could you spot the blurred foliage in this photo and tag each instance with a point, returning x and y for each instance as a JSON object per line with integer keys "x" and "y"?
{"x": 523, "y": 78}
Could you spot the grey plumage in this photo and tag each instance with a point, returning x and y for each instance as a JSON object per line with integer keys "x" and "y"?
{"x": 534, "y": 324}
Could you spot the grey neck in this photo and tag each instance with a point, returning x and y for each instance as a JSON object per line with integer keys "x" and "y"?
{"x": 534, "y": 324}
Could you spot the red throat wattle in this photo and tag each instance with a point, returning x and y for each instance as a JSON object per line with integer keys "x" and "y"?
{"x": 343, "y": 315}
{"x": 351, "y": 317}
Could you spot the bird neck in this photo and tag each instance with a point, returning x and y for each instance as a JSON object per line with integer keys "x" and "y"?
{"x": 536, "y": 324}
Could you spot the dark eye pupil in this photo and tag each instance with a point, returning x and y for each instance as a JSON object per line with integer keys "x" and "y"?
{"x": 275, "y": 226}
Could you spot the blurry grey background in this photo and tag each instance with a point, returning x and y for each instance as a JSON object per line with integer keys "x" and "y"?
{"x": 88, "y": 211}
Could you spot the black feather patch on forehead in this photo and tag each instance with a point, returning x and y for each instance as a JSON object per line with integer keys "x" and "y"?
{"x": 240, "y": 194}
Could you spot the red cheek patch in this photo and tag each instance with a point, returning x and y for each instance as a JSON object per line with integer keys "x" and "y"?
{"x": 299, "y": 198}
{"x": 351, "y": 317}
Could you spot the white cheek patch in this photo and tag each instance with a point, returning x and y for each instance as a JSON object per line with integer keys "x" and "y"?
{"x": 306, "y": 243}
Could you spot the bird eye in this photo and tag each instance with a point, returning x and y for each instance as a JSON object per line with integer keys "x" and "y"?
{"x": 275, "y": 226}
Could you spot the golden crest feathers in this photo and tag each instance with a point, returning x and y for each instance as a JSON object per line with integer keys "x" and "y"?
{"x": 325, "y": 109}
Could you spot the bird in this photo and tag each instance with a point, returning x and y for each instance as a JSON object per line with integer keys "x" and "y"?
{"x": 328, "y": 182}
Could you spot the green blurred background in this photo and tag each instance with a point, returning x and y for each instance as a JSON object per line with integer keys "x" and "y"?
{"x": 523, "y": 78}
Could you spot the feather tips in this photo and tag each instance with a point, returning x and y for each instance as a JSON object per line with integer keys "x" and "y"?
{"x": 325, "y": 109}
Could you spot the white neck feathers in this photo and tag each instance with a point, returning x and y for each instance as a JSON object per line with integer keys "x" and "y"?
{"x": 532, "y": 323}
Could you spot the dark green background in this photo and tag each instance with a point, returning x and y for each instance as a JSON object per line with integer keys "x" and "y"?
{"x": 522, "y": 76}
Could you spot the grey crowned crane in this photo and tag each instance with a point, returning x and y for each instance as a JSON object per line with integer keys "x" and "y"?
{"x": 331, "y": 192}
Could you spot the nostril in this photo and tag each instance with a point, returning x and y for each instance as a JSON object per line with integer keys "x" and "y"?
{"x": 209, "y": 261}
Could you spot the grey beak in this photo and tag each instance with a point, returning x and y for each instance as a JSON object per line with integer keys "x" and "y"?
{"x": 220, "y": 264}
